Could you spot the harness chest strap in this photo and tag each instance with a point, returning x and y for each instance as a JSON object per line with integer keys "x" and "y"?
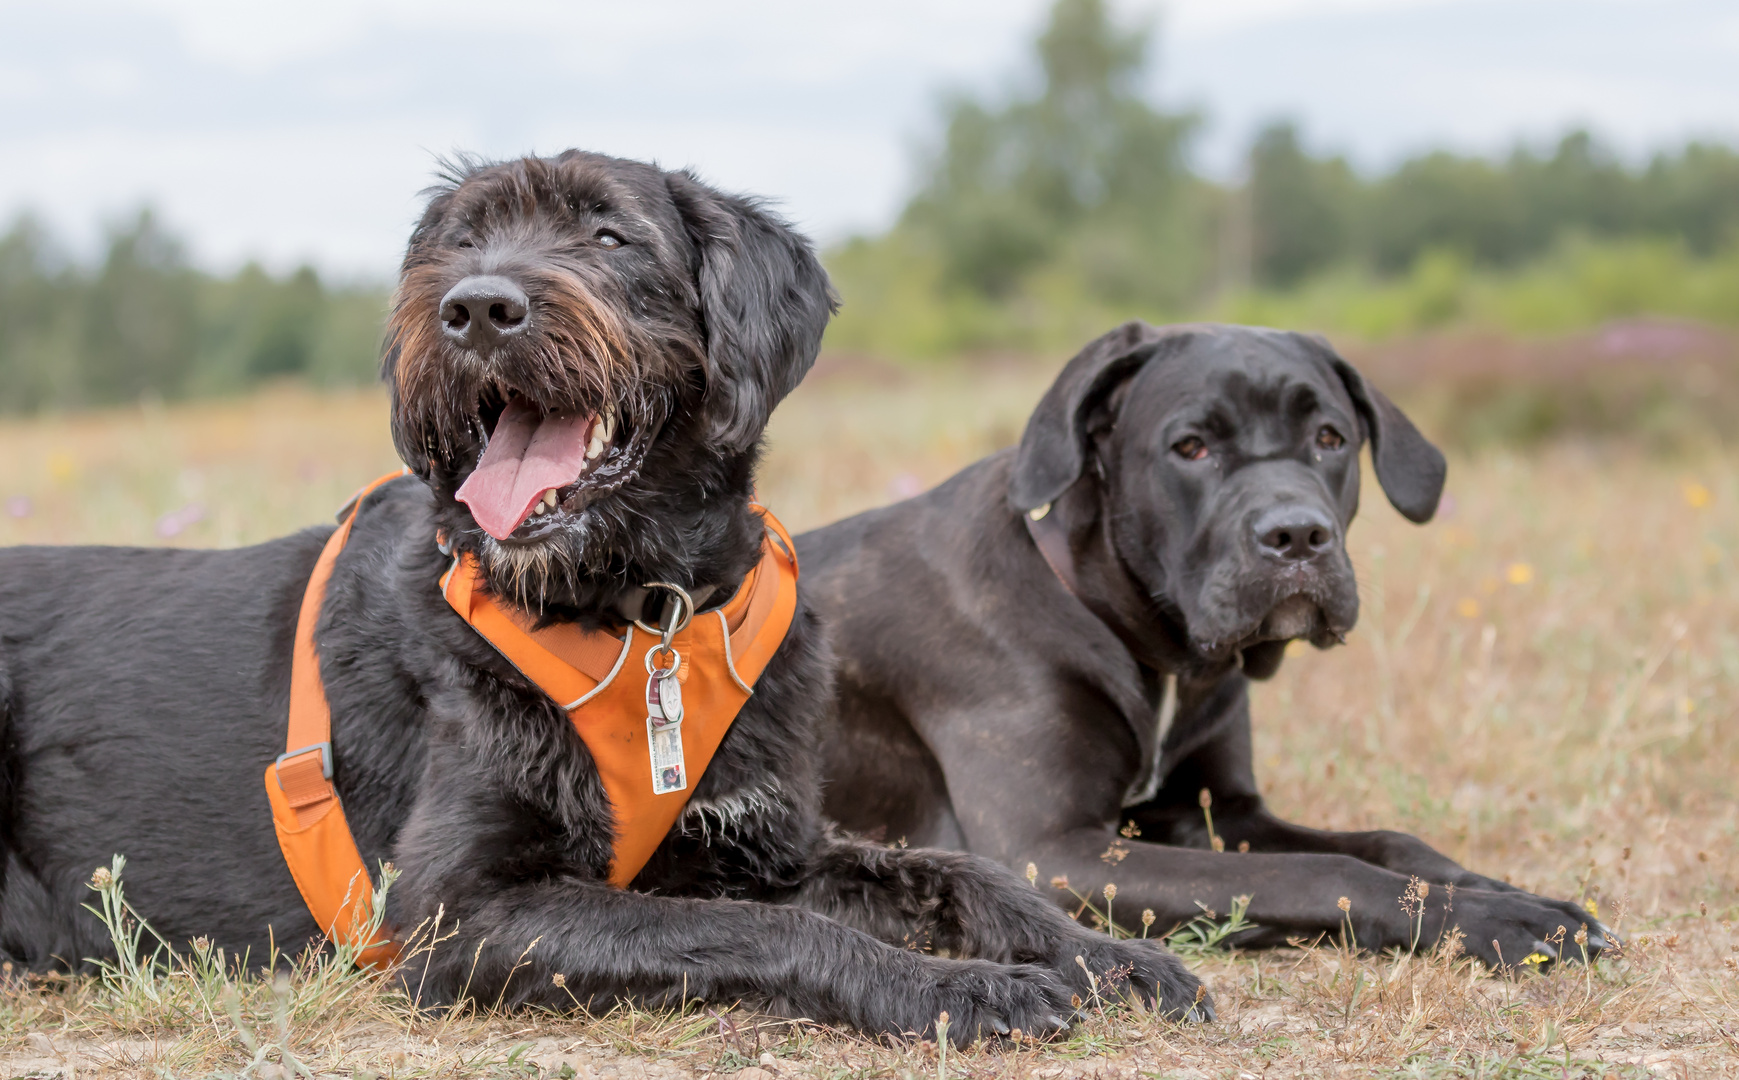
{"x": 599, "y": 680}
{"x": 591, "y": 675}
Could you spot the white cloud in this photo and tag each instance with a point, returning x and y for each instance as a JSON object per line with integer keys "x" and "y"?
{"x": 1392, "y": 78}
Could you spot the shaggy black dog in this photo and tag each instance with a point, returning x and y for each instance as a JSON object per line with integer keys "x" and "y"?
{"x": 142, "y": 692}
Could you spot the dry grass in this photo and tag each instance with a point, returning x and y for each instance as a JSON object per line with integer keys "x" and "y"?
{"x": 1545, "y": 684}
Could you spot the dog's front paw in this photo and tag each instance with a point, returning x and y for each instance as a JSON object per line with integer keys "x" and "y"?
{"x": 1506, "y": 930}
{"x": 1145, "y": 969}
{"x": 982, "y": 1000}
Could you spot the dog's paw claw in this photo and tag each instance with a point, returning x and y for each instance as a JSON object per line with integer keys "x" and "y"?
{"x": 985, "y": 1000}
{"x": 1516, "y": 931}
{"x": 1144, "y": 969}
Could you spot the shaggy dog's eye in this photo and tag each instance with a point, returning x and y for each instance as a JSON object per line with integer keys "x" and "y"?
{"x": 1191, "y": 449}
{"x": 609, "y": 239}
{"x": 1329, "y": 439}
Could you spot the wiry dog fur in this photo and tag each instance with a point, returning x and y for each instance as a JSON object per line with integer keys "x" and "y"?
{"x": 142, "y": 692}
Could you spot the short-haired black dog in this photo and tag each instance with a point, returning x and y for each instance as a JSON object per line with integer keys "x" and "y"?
{"x": 1191, "y": 487}
{"x": 143, "y": 691}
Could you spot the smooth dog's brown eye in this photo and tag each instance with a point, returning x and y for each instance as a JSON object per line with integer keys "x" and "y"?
{"x": 609, "y": 239}
{"x": 1329, "y": 439}
{"x": 1192, "y": 448}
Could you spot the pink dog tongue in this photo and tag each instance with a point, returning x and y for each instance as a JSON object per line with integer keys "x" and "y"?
{"x": 529, "y": 453}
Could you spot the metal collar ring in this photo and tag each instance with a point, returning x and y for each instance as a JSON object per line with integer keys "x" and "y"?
{"x": 684, "y": 612}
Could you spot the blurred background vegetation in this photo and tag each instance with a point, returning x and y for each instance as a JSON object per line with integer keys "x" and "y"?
{"x": 143, "y": 323}
{"x": 1041, "y": 219}
{"x": 1583, "y": 291}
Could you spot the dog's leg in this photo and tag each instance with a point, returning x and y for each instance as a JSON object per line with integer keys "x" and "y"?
{"x": 555, "y": 944}
{"x": 1242, "y": 823}
{"x": 527, "y": 904}
{"x": 964, "y": 905}
{"x": 1371, "y": 869}
{"x": 1300, "y": 895}
{"x": 1223, "y": 766}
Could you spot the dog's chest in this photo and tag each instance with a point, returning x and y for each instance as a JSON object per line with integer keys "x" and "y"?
{"x": 1151, "y": 741}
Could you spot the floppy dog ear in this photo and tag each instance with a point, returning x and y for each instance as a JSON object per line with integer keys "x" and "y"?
{"x": 1410, "y": 469}
{"x": 765, "y": 300}
{"x": 1053, "y": 449}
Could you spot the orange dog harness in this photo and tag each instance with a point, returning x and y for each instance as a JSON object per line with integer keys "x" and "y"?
{"x": 650, "y": 739}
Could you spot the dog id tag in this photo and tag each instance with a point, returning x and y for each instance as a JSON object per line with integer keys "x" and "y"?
{"x": 669, "y": 773}
{"x": 664, "y": 729}
{"x": 664, "y": 697}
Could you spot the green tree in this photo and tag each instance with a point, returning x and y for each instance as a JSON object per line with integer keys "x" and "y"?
{"x": 1490, "y": 212}
{"x": 140, "y": 318}
{"x": 1694, "y": 196}
{"x": 260, "y": 327}
{"x": 38, "y": 296}
{"x": 1085, "y": 173}
{"x": 1442, "y": 201}
{"x": 1300, "y": 208}
{"x": 1581, "y": 188}
{"x": 143, "y": 322}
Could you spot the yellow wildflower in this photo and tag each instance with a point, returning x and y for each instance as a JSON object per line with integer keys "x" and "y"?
{"x": 61, "y": 467}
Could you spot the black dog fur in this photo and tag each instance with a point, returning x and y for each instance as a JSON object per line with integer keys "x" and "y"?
{"x": 142, "y": 692}
{"x": 984, "y": 708}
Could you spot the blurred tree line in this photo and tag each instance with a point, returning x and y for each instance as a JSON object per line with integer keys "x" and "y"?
{"x": 1038, "y": 219}
{"x": 142, "y": 322}
{"x": 1308, "y": 214}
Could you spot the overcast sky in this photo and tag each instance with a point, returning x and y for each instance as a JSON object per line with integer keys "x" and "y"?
{"x": 304, "y": 131}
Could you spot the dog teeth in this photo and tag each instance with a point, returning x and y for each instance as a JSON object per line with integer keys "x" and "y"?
{"x": 549, "y": 498}
{"x": 595, "y": 449}
{"x": 607, "y": 426}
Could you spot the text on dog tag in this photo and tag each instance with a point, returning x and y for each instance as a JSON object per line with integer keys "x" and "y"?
{"x": 669, "y": 772}
{"x": 664, "y": 731}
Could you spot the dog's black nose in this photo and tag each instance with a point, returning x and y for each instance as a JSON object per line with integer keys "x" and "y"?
{"x": 481, "y": 311}
{"x": 1294, "y": 532}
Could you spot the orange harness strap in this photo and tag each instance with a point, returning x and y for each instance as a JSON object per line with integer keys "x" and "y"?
{"x": 595, "y": 677}
{"x": 312, "y": 832}
{"x": 599, "y": 679}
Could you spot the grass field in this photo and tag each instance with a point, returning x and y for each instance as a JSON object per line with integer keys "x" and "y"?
{"x": 1544, "y": 684}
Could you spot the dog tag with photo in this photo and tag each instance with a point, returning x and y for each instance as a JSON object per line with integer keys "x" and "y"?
{"x": 669, "y": 773}
{"x": 664, "y": 722}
